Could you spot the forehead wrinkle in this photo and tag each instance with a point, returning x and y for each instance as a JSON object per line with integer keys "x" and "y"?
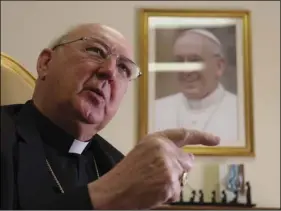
{"x": 111, "y": 37}
{"x": 94, "y": 30}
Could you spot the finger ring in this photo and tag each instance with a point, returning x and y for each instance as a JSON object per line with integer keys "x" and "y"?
{"x": 184, "y": 179}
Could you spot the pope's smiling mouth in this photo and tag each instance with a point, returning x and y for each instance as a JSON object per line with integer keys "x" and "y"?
{"x": 191, "y": 77}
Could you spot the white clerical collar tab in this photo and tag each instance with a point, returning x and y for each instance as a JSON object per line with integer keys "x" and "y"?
{"x": 78, "y": 147}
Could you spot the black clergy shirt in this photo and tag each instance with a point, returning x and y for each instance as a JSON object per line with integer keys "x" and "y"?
{"x": 28, "y": 138}
{"x": 71, "y": 169}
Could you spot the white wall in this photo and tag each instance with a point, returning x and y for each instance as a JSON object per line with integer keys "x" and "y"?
{"x": 27, "y": 27}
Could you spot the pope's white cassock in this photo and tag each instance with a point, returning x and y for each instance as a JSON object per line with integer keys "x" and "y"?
{"x": 216, "y": 113}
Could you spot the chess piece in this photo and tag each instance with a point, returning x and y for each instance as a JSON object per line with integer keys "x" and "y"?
{"x": 224, "y": 198}
{"x": 235, "y": 199}
{"x": 201, "y": 196}
{"x": 213, "y": 196}
{"x": 181, "y": 196}
{"x": 192, "y": 198}
{"x": 248, "y": 194}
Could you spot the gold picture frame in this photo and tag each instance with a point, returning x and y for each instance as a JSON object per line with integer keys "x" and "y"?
{"x": 154, "y": 42}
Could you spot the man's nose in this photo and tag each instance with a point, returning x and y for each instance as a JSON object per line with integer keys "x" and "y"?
{"x": 108, "y": 69}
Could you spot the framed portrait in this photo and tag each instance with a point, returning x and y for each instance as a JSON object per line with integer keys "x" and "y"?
{"x": 196, "y": 67}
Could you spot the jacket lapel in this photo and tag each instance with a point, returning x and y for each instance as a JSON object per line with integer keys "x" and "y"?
{"x": 108, "y": 155}
{"x": 8, "y": 141}
{"x": 34, "y": 180}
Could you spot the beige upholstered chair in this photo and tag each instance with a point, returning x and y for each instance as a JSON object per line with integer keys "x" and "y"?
{"x": 17, "y": 83}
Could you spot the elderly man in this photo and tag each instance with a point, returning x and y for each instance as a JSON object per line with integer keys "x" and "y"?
{"x": 203, "y": 103}
{"x": 51, "y": 154}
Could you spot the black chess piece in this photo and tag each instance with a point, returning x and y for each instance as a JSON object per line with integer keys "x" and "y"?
{"x": 214, "y": 196}
{"x": 201, "y": 196}
{"x": 224, "y": 197}
{"x": 248, "y": 194}
{"x": 181, "y": 196}
{"x": 192, "y": 198}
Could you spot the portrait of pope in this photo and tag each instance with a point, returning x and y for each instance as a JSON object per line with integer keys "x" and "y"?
{"x": 200, "y": 91}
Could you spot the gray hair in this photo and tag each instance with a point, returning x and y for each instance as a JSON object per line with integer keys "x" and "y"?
{"x": 61, "y": 38}
{"x": 64, "y": 36}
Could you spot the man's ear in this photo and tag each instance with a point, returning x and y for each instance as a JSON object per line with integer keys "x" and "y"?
{"x": 43, "y": 62}
{"x": 221, "y": 64}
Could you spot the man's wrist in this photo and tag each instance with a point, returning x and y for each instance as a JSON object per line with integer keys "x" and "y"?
{"x": 99, "y": 197}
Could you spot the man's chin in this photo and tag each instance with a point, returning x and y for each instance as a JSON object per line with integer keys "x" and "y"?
{"x": 92, "y": 117}
{"x": 90, "y": 114}
{"x": 194, "y": 94}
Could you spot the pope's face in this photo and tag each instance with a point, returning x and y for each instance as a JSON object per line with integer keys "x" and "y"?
{"x": 193, "y": 47}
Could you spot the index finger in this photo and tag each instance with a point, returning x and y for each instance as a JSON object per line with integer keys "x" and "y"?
{"x": 182, "y": 137}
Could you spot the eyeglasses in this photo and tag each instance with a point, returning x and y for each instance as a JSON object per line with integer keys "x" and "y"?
{"x": 99, "y": 52}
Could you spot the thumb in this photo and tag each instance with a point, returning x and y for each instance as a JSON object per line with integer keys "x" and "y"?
{"x": 182, "y": 137}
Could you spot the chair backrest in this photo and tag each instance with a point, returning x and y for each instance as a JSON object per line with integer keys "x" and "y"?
{"x": 17, "y": 84}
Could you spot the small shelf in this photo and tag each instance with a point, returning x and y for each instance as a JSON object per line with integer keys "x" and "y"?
{"x": 206, "y": 207}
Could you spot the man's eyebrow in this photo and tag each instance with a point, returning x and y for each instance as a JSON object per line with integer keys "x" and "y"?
{"x": 103, "y": 40}
{"x": 100, "y": 42}
{"x": 124, "y": 58}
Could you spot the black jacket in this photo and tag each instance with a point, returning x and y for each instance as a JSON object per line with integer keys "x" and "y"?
{"x": 25, "y": 180}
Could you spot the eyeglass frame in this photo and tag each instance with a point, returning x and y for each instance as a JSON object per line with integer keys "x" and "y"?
{"x": 103, "y": 44}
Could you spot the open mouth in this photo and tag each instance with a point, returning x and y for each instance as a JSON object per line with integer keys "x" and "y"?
{"x": 98, "y": 92}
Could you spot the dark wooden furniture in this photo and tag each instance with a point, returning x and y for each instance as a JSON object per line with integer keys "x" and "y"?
{"x": 179, "y": 207}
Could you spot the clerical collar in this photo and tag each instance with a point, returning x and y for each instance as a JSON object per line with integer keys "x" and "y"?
{"x": 212, "y": 99}
{"x": 78, "y": 147}
{"x": 55, "y": 136}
